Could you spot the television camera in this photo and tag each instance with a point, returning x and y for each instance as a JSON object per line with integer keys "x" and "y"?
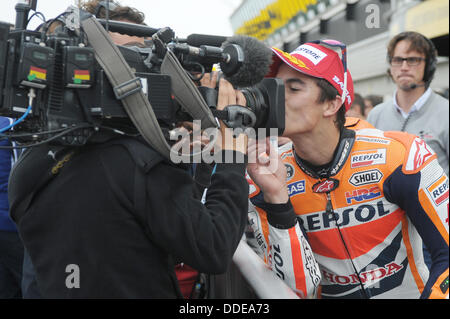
{"x": 57, "y": 88}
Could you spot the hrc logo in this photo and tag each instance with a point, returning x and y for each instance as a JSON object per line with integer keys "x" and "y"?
{"x": 362, "y": 194}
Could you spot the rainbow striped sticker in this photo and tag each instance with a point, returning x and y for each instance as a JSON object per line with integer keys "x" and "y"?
{"x": 81, "y": 75}
{"x": 37, "y": 73}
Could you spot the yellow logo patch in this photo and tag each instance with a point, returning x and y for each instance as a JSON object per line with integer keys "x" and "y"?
{"x": 294, "y": 60}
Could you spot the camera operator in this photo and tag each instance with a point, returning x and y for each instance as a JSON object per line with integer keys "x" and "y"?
{"x": 118, "y": 13}
{"x": 116, "y": 217}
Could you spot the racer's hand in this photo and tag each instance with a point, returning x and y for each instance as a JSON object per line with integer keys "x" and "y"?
{"x": 267, "y": 170}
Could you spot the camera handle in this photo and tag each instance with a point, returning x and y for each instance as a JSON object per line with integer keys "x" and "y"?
{"x": 22, "y": 8}
{"x": 236, "y": 116}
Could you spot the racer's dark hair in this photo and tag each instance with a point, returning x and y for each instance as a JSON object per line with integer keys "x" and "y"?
{"x": 328, "y": 93}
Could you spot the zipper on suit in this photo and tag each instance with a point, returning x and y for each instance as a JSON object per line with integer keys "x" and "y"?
{"x": 329, "y": 210}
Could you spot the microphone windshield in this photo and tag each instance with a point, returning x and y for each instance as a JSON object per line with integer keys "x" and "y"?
{"x": 256, "y": 62}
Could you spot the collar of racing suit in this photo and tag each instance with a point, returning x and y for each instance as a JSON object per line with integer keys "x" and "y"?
{"x": 346, "y": 140}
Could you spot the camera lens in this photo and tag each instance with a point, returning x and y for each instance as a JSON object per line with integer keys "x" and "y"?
{"x": 256, "y": 98}
{"x": 266, "y": 100}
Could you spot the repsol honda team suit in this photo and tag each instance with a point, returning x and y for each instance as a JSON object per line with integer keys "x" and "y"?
{"x": 364, "y": 219}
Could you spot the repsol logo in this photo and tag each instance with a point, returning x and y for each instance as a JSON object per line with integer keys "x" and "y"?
{"x": 350, "y": 216}
{"x": 278, "y": 261}
{"x": 368, "y": 158}
{"x": 439, "y": 190}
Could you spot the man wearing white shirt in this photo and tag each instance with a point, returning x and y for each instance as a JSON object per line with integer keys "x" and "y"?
{"x": 415, "y": 108}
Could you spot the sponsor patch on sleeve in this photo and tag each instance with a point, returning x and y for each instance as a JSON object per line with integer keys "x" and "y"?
{"x": 438, "y": 190}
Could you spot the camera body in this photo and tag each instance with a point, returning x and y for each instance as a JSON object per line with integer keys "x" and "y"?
{"x": 73, "y": 98}
{"x": 71, "y": 87}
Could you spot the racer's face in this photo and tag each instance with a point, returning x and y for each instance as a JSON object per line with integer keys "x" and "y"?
{"x": 303, "y": 112}
{"x": 404, "y": 75}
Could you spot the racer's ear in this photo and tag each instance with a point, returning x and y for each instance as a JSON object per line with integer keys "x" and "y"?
{"x": 331, "y": 107}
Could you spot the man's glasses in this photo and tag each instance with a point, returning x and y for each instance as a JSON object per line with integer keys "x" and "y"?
{"x": 333, "y": 44}
{"x": 411, "y": 61}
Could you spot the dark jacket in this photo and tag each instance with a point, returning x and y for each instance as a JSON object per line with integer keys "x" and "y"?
{"x": 125, "y": 222}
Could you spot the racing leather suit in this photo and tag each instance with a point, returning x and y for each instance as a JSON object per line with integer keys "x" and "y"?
{"x": 365, "y": 219}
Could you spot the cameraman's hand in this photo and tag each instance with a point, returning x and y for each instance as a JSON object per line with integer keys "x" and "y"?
{"x": 209, "y": 79}
{"x": 229, "y": 96}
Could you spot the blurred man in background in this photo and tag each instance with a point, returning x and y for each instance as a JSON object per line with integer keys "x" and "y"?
{"x": 415, "y": 108}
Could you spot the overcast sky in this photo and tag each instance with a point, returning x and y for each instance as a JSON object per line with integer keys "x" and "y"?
{"x": 183, "y": 16}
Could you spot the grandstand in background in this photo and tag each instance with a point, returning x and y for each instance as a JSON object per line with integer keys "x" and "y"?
{"x": 364, "y": 25}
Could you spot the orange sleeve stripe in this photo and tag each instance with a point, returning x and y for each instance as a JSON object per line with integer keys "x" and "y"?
{"x": 297, "y": 260}
{"x": 431, "y": 212}
{"x": 409, "y": 253}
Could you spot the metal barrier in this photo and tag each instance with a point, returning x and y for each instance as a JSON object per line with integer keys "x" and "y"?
{"x": 262, "y": 279}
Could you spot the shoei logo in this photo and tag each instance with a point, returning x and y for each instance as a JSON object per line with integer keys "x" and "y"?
{"x": 439, "y": 190}
{"x": 311, "y": 53}
{"x": 368, "y": 158}
{"x": 296, "y": 188}
{"x": 367, "y": 177}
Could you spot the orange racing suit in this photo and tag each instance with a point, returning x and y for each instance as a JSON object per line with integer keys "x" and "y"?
{"x": 365, "y": 220}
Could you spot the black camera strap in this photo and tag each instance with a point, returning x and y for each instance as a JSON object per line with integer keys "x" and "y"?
{"x": 186, "y": 92}
{"x": 127, "y": 87}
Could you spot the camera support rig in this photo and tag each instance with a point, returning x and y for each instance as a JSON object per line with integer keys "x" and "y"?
{"x": 64, "y": 89}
